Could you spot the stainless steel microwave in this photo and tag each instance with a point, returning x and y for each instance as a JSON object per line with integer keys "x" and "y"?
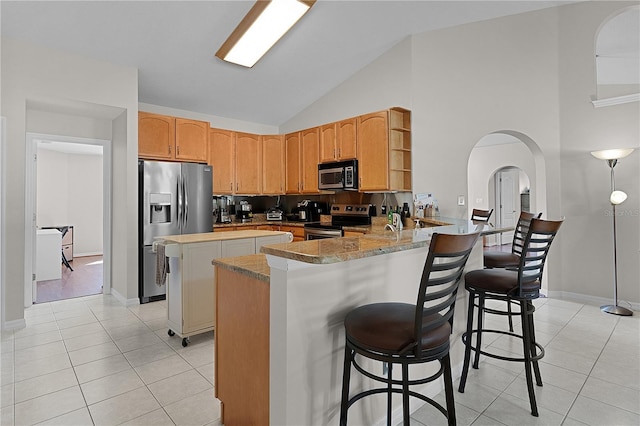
{"x": 342, "y": 175}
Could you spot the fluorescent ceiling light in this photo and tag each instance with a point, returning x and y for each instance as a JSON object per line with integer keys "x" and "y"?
{"x": 260, "y": 29}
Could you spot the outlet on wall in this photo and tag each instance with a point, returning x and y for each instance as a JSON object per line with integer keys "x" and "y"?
{"x": 461, "y": 200}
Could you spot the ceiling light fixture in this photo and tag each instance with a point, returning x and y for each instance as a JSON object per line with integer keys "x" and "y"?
{"x": 260, "y": 29}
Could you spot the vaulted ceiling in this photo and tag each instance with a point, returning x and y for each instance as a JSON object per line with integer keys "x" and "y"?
{"x": 172, "y": 43}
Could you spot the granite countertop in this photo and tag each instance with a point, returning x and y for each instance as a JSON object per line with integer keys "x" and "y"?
{"x": 253, "y": 265}
{"x": 215, "y": 236}
{"x": 375, "y": 240}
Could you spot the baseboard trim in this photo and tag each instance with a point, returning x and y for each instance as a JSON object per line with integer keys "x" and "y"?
{"x": 90, "y": 253}
{"x": 120, "y": 298}
{"x": 14, "y": 324}
{"x": 592, "y": 300}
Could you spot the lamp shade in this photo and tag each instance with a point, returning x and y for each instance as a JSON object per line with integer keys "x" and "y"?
{"x": 617, "y": 197}
{"x": 612, "y": 154}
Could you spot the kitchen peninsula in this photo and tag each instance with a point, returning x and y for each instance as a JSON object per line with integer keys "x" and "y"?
{"x": 279, "y": 332}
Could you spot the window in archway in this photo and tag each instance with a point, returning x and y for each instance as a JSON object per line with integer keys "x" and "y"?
{"x": 618, "y": 57}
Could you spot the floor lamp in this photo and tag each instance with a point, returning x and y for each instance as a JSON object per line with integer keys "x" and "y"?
{"x": 616, "y": 197}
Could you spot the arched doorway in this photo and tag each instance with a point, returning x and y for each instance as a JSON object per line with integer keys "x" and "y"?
{"x": 506, "y": 153}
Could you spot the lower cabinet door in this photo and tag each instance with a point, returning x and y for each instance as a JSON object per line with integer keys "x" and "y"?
{"x": 198, "y": 289}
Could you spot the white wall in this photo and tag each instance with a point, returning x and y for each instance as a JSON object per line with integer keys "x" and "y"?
{"x": 32, "y": 73}
{"x": 531, "y": 74}
{"x": 384, "y": 83}
{"x": 69, "y": 192}
{"x": 587, "y": 243}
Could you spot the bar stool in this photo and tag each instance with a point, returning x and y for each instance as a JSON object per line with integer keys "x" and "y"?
{"x": 407, "y": 334}
{"x": 521, "y": 286}
{"x": 501, "y": 259}
{"x": 481, "y": 215}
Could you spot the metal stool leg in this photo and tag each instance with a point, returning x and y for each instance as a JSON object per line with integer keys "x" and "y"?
{"x": 448, "y": 390}
{"x": 467, "y": 343}
{"x": 476, "y": 359}
{"x": 346, "y": 376}
{"x": 526, "y": 344}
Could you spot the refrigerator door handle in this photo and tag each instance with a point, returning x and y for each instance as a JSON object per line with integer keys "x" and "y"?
{"x": 179, "y": 197}
{"x": 185, "y": 194}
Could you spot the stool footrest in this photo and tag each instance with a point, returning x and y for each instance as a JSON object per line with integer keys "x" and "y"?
{"x": 539, "y": 355}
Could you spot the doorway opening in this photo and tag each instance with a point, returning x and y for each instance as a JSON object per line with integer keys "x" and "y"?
{"x": 69, "y": 198}
{"x": 516, "y": 159}
{"x": 509, "y": 193}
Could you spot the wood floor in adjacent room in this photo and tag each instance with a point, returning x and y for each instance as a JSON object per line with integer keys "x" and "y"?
{"x": 84, "y": 280}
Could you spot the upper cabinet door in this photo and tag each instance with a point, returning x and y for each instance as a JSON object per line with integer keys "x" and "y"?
{"x": 373, "y": 151}
{"x": 293, "y": 157}
{"x": 273, "y": 164}
{"x": 222, "y": 159}
{"x": 248, "y": 163}
{"x": 310, "y": 139}
{"x": 328, "y": 151}
{"x": 156, "y": 136}
{"x": 346, "y": 139}
{"x": 191, "y": 140}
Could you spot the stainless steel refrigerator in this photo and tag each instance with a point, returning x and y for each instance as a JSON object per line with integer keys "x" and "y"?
{"x": 174, "y": 198}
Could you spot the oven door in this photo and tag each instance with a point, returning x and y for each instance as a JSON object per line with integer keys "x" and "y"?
{"x": 317, "y": 233}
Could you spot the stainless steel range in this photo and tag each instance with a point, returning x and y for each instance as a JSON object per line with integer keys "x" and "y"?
{"x": 341, "y": 215}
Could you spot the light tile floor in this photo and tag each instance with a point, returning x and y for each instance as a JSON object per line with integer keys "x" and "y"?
{"x": 590, "y": 373}
{"x": 91, "y": 361}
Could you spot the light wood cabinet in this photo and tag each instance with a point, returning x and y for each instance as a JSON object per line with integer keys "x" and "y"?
{"x": 293, "y": 155}
{"x": 192, "y": 140}
{"x": 222, "y": 158}
{"x": 373, "y": 151}
{"x": 347, "y": 139}
{"x": 162, "y": 137}
{"x": 241, "y": 375}
{"x": 328, "y": 150}
{"x": 248, "y": 164}
{"x": 384, "y": 151}
{"x": 310, "y": 142}
{"x": 273, "y": 173}
{"x": 338, "y": 141}
{"x": 156, "y": 136}
{"x": 296, "y": 231}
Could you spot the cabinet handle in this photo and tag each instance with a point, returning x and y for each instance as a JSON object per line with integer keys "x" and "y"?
{"x": 169, "y": 149}
{"x": 230, "y": 186}
{"x": 178, "y": 150}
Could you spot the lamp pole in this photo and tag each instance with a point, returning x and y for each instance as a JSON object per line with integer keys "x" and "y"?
{"x": 614, "y": 309}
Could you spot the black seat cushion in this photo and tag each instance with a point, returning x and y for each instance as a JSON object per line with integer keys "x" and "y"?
{"x": 500, "y": 281}
{"x": 389, "y": 328}
{"x": 500, "y": 259}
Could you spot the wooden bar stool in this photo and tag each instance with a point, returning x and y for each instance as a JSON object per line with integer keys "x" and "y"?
{"x": 407, "y": 334}
{"x": 501, "y": 259}
{"x": 521, "y": 286}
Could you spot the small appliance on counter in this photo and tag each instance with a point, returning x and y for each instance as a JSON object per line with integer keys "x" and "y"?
{"x": 244, "y": 212}
{"x": 221, "y": 210}
{"x": 275, "y": 213}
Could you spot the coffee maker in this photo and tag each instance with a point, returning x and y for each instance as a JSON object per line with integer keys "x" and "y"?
{"x": 244, "y": 212}
{"x": 221, "y": 210}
